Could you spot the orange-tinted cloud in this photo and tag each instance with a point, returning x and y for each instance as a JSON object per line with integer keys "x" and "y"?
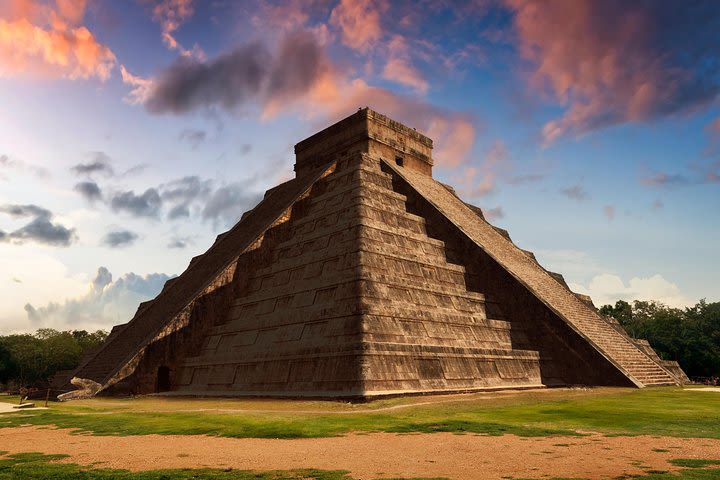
{"x": 335, "y": 95}
{"x": 359, "y": 22}
{"x": 614, "y": 61}
{"x": 481, "y": 181}
{"x": 40, "y": 39}
{"x": 399, "y": 69}
{"x": 71, "y": 10}
{"x": 171, "y": 14}
{"x": 297, "y": 77}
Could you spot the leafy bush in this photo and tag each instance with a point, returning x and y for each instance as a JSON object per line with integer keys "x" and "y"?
{"x": 691, "y": 336}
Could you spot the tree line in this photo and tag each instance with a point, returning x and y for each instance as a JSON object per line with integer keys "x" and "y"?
{"x": 30, "y": 360}
{"x": 690, "y": 336}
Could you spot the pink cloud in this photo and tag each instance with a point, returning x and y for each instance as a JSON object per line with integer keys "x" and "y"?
{"x": 399, "y": 69}
{"x": 71, "y": 10}
{"x": 38, "y": 39}
{"x": 298, "y": 77}
{"x": 609, "y": 211}
{"x": 171, "y": 15}
{"x": 359, "y": 22}
{"x": 612, "y": 61}
{"x": 492, "y": 214}
{"x": 496, "y": 162}
{"x": 141, "y": 87}
{"x": 335, "y": 95}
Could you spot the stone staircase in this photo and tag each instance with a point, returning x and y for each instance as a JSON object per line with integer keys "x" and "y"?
{"x": 418, "y": 304}
{"x": 205, "y": 273}
{"x": 617, "y": 348}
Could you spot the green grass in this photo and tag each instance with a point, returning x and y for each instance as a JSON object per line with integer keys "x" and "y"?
{"x": 40, "y": 466}
{"x": 654, "y": 411}
{"x": 694, "y": 462}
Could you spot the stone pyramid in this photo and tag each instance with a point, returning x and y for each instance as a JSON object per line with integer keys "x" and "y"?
{"x": 363, "y": 276}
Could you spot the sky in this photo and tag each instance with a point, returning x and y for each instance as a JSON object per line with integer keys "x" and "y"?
{"x": 133, "y": 132}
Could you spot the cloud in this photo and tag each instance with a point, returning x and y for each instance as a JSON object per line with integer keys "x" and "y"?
{"x": 146, "y": 205}
{"x": 707, "y": 172}
{"x": 171, "y": 14}
{"x": 181, "y": 193}
{"x": 711, "y": 173}
{"x": 359, "y": 22}
{"x": 611, "y": 62}
{"x": 607, "y": 289}
{"x": 179, "y": 242}
{"x": 101, "y": 163}
{"x": 492, "y": 214}
{"x": 248, "y": 73}
{"x": 41, "y": 40}
{"x": 119, "y": 238}
{"x": 335, "y": 95}
{"x": 572, "y": 263}
{"x": 609, "y": 211}
{"x": 299, "y": 77}
{"x": 228, "y": 203}
{"x": 496, "y": 161}
{"x": 575, "y": 192}
{"x": 295, "y": 69}
{"x": 662, "y": 179}
{"x": 105, "y": 303}
{"x": 40, "y": 229}
{"x": 90, "y": 190}
{"x": 41, "y": 276}
{"x": 226, "y": 81}
{"x": 20, "y": 211}
{"x": 7, "y": 162}
{"x": 141, "y": 87}
{"x": 525, "y": 179}
{"x": 399, "y": 69}
{"x": 193, "y": 137}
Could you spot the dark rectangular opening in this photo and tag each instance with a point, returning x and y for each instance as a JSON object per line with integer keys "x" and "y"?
{"x": 399, "y": 161}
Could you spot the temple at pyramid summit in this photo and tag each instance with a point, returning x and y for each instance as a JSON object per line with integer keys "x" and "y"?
{"x": 362, "y": 277}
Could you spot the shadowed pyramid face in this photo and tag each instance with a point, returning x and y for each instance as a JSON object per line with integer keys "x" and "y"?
{"x": 363, "y": 277}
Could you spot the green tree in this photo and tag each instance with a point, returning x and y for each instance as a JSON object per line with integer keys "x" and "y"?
{"x": 27, "y": 355}
{"x": 8, "y": 369}
{"x": 690, "y": 336}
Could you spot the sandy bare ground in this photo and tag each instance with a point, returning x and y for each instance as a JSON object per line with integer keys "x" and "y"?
{"x": 373, "y": 455}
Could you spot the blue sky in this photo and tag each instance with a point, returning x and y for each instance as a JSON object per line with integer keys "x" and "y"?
{"x": 134, "y": 132}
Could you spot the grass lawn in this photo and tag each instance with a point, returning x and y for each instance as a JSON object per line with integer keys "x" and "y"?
{"x": 40, "y": 466}
{"x": 668, "y": 411}
{"x": 37, "y": 465}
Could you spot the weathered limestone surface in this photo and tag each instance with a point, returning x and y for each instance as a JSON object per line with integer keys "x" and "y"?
{"x": 616, "y": 348}
{"x": 364, "y": 277}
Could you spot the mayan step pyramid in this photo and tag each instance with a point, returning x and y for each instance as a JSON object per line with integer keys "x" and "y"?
{"x": 363, "y": 276}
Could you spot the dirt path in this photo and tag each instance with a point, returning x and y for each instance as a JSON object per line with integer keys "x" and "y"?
{"x": 373, "y": 455}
